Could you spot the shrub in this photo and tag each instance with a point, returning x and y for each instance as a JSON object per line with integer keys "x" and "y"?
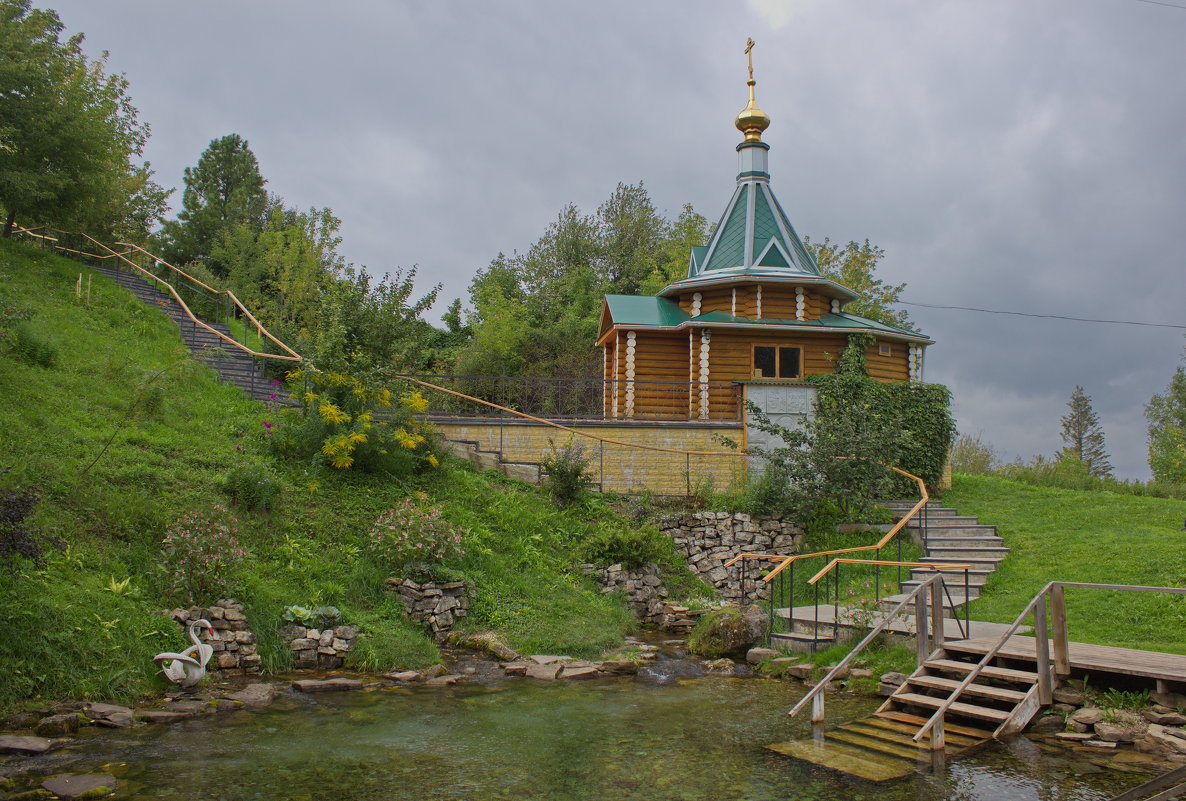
{"x": 971, "y": 455}
{"x": 414, "y": 533}
{"x": 202, "y": 555}
{"x": 566, "y": 473}
{"x": 348, "y": 423}
{"x": 20, "y": 539}
{"x": 251, "y": 487}
{"x": 30, "y": 346}
{"x": 633, "y": 548}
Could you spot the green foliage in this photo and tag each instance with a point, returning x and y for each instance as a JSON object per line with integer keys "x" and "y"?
{"x": 320, "y": 616}
{"x": 630, "y": 547}
{"x": 201, "y": 555}
{"x": 414, "y": 531}
{"x": 566, "y": 472}
{"x": 337, "y": 426}
{"x": 880, "y": 656}
{"x": 971, "y": 455}
{"x": 1113, "y": 698}
{"x": 33, "y": 347}
{"x": 536, "y": 313}
{"x": 718, "y": 632}
{"x": 853, "y": 266}
{"x": 1083, "y": 435}
{"x": 252, "y": 487}
{"x": 1167, "y": 431}
{"x": 840, "y": 457}
{"x": 223, "y": 191}
{"x": 69, "y": 133}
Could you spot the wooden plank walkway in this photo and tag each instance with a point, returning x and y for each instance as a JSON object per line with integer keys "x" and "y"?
{"x": 1092, "y": 658}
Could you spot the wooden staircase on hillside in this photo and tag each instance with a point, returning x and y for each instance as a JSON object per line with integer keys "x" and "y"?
{"x": 232, "y": 365}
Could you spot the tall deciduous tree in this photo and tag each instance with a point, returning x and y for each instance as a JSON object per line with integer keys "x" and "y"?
{"x": 853, "y": 265}
{"x": 1167, "y": 430}
{"x": 223, "y": 191}
{"x": 1083, "y": 435}
{"x": 68, "y": 133}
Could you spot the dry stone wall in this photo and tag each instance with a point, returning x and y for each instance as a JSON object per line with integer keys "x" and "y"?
{"x": 233, "y": 642}
{"x": 710, "y": 539}
{"x": 319, "y": 649}
{"x": 436, "y": 605}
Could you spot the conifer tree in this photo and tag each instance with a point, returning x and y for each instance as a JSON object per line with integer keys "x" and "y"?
{"x": 1083, "y": 435}
{"x": 223, "y": 191}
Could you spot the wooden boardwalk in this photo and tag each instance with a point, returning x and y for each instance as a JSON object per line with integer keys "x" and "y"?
{"x": 1092, "y": 658}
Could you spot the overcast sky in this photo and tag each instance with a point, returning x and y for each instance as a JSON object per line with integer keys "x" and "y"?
{"x": 1012, "y": 155}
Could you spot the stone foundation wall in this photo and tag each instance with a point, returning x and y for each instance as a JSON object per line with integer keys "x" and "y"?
{"x": 323, "y": 649}
{"x": 709, "y": 539}
{"x": 642, "y": 587}
{"x": 233, "y": 642}
{"x": 436, "y": 605}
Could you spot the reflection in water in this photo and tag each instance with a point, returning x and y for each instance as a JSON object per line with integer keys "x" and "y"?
{"x": 610, "y": 740}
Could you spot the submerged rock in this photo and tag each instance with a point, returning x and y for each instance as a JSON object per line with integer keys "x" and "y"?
{"x": 254, "y": 695}
{"x": 87, "y": 785}
{"x": 24, "y": 745}
{"x": 57, "y": 725}
{"x": 326, "y": 685}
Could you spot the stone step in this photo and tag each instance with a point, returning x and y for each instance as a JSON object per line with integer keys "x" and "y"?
{"x": 965, "y": 541}
{"x": 943, "y": 521}
{"x": 977, "y": 561}
{"x": 956, "y": 600}
{"x": 800, "y": 642}
{"x": 961, "y": 529}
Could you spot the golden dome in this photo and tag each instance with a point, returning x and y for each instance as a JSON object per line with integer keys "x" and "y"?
{"x": 752, "y": 120}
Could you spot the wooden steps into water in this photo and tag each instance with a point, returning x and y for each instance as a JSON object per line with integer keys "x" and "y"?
{"x": 878, "y": 748}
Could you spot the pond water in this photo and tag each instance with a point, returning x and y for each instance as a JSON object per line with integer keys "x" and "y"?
{"x": 695, "y": 739}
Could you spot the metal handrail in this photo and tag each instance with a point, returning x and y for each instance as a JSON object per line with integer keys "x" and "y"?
{"x": 818, "y": 689}
{"x": 292, "y": 356}
{"x": 1054, "y": 590}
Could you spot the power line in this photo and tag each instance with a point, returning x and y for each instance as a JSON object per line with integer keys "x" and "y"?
{"x": 1159, "y": 3}
{"x": 1044, "y": 316}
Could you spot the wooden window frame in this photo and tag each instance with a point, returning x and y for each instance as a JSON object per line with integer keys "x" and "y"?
{"x": 885, "y": 349}
{"x": 776, "y": 345}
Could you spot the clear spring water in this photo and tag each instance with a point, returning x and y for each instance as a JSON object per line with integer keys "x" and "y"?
{"x": 695, "y": 739}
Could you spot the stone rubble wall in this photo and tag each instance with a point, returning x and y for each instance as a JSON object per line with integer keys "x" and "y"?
{"x": 233, "y": 643}
{"x": 319, "y": 649}
{"x": 645, "y": 595}
{"x": 709, "y": 539}
{"x": 435, "y": 605}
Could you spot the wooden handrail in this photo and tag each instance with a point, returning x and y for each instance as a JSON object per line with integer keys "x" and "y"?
{"x": 292, "y": 356}
{"x": 787, "y": 561}
{"x": 554, "y": 424}
{"x": 935, "y": 565}
{"x": 880, "y": 627}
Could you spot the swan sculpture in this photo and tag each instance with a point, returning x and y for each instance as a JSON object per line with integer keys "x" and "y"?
{"x": 188, "y": 667}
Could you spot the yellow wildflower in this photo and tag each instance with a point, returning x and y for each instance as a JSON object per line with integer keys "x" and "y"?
{"x": 432, "y": 460}
{"x": 384, "y": 397}
{"x": 342, "y": 462}
{"x": 414, "y": 401}
{"x": 338, "y": 379}
{"x": 332, "y": 414}
{"x": 293, "y": 375}
{"x": 309, "y": 397}
{"x": 312, "y": 487}
{"x": 358, "y": 436}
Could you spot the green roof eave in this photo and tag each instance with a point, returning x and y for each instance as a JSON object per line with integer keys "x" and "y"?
{"x": 644, "y": 310}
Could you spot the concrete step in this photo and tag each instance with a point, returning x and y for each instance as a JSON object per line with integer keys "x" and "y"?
{"x": 943, "y": 521}
{"x": 963, "y": 529}
{"x": 801, "y": 642}
{"x": 966, "y": 541}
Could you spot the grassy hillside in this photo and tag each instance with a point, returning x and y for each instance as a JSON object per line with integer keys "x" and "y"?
{"x": 1098, "y": 537}
{"x": 113, "y": 374}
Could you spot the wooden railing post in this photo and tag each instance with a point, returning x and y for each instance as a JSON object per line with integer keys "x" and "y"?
{"x": 920, "y": 625}
{"x": 817, "y": 708}
{"x": 937, "y": 612}
{"x": 1058, "y": 618}
{"x": 938, "y": 740}
{"x": 1042, "y": 644}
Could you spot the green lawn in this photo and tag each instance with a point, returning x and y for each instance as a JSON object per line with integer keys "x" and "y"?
{"x": 1097, "y": 537}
